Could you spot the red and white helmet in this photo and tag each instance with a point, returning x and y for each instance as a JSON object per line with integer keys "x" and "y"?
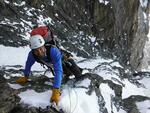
{"x": 36, "y": 41}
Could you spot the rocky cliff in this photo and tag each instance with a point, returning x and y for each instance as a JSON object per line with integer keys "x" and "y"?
{"x": 110, "y": 28}
{"x": 114, "y": 29}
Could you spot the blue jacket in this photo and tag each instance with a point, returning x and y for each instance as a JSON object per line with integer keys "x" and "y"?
{"x": 55, "y": 60}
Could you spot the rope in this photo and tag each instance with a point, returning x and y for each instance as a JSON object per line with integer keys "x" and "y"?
{"x": 76, "y": 100}
{"x": 69, "y": 99}
{"x": 48, "y": 67}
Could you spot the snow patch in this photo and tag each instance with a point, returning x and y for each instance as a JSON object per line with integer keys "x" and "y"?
{"x": 107, "y": 95}
{"x": 104, "y": 1}
{"x": 6, "y": 1}
{"x": 20, "y": 4}
{"x": 42, "y": 20}
{"x": 77, "y": 101}
{"x": 84, "y": 83}
{"x": 52, "y": 2}
{"x": 145, "y": 82}
{"x": 143, "y": 107}
{"x": 116, "y": 64}
{"x": 72, "y": 100}
{"x": 56, "y": 14}
{"x": 19, "y": 53}
{"x": 92, "y": 63}
{"x": 131, "y": 89}
{"x": 6, "y": 76}
{"x": 93, "y": 39}
{"x": 16, "y": 75}
{"x": 8, "y": 22}
{"x": 15, "y": 86}
{"x": 27, "y": 22}
{"x": 144, "y": 3}
{"x": 35, "y": 99}
{"x": 49, "y": 74}
{"x": 48, "y": 83}
{"x": 108, "y": 74}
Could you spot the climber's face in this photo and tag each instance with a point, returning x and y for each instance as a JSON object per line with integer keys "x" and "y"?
{"x": 40, "y": 52}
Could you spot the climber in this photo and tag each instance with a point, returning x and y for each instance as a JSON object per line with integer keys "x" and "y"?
{"x": 38, "y": 53}
{"x": 47, "y": 55}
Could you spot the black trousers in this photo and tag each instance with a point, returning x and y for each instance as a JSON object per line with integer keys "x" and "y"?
{"x": 71, "y": 68}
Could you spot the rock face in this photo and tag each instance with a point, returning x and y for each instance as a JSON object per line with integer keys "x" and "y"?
{"x": 89, "y": 28}
{"x": 8, "y": 98}
{"x": 10, "y": 101}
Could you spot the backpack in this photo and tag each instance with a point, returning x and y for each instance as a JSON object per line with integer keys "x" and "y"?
{"x": 46, "y": 33}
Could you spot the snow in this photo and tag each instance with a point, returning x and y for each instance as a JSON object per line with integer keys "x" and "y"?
{"x": 72, "y": 100}
{"x": 49, "y": 74}
{"x": 14, "y": 25}
{"x": 85, "y": 83}
{"x": 145, "y": 16}
{"x": 143, "y": 107}
{"x": 14, "y": 53}
{"x": 107, "y": 95}
{"x": 48, "y": 83}
{"x": 28, "y": 12}
{"x": 131, "y": 89}
{"x": 15, "y": 86}
{"x": 12, "y": 67}
{"x": 7, "y": 21}
{"x": 27, "y": 22}
{"x": 93, "y": 39}
{"x": 21, "y": 4}
{"x": 6, "y": 77}
{"x": 144, "y": 3}
{"x": 33, "y": 98}
{"x": 92, "y": 63}
{"x": 52, "y": 2}
{"x": 108, "y": 74}
{"x": 116, "y": 64}
{"x": 56, "y": 14}
{"x": 42, "y": 20}
{"x": 104, "y": 1}
{"x": 42, "y": 6}
{"x": 19, "y": 53}
{"x": 145, "y": 82}
{"x": 16, "y": 75}
{"x": 6, "y": 1}
{"x": 77, "y": 101}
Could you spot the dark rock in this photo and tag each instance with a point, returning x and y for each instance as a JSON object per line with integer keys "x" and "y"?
{"x": 119, "y": 27}
{"x": 26, "y": 109}
{"x": 8, "y": 97}
{"x": 129, "y": 103}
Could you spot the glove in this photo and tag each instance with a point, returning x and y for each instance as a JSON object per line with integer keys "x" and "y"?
{"x": 22, "y": 80}
{"x": 55, "y": 96}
